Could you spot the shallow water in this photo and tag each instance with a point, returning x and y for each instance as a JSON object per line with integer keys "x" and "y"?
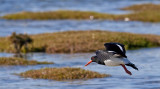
{"x": 105, "y": 6}
{"x": 147, "y": 60}
{"x": 35, "y": 27}
{"x": 146, "y": 78}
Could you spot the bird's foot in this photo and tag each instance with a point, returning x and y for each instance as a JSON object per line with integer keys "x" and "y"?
{"x": 127, "y": 71}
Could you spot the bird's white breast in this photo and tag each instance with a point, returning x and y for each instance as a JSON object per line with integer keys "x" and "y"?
{"x": 114, "y": 62}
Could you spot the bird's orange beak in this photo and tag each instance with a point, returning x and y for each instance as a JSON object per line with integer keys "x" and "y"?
{"x": 88, "y": 62}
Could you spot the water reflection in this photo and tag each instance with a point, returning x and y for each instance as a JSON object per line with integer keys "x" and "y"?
{"x": 147, "y": 60}
{"x": 105, "y": 6}
{"x": 146, "y": 77}
{"x": 35, "y": 27}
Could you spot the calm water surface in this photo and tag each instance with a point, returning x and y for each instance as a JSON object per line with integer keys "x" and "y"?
{"x": 146, "y": 78}
{"x": 105, "y": 6}
{"x": 36, "y": 27}
{"x": 147, "y": 60}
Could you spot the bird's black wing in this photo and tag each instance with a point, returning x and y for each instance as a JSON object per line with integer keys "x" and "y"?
{"x": 116, "y": 47}
{"x": 103, "y": 55}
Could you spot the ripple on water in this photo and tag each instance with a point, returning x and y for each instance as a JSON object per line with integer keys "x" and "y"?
{"x": 147, "y": 60}
{"x": 146, "y": 77}
{"x": 36, "y": 27}
{"x": 105, "y": 6}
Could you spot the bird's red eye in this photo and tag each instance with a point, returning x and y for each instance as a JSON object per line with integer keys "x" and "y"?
{"x": 92, "y": 57}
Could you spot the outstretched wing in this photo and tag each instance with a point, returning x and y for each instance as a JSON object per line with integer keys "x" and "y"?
{"x": 116, "y": 47}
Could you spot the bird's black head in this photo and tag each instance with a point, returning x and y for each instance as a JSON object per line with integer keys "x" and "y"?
{"x": 94, "y": 58}
{"x": 117, "y": 48}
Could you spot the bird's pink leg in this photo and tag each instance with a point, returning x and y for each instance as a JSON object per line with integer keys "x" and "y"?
{"x": 127, "y": 71}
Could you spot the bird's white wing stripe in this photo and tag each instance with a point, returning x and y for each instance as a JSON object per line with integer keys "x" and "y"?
{"x": 110, "y": 51}
{"x": 120, "y": 47}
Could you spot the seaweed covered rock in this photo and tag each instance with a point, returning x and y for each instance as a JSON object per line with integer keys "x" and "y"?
{"x": 20, "y": 40}
{"x": 83, "y": 41}
{"x": 19, "y": 61}
{"x": 62, "y": 74}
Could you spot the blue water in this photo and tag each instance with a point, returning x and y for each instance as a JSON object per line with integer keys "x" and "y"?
{"x": 146, "y": 78}
{"x": 105, "y": 6}
{"x": 147, "y": 60}
{"x": 35, "y": 27}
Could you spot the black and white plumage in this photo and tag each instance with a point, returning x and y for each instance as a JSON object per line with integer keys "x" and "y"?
{"x": 116, "y": 47}
{"x": 114, "y": 55}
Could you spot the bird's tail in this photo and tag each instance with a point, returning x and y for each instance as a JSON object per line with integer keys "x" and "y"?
{"x": 132, "y": 65}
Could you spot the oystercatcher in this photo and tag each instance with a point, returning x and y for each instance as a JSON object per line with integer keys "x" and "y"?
{"x": 114, "y": 55}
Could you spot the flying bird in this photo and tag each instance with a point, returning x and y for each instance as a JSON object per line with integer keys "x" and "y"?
{"x": 114, "y": 55}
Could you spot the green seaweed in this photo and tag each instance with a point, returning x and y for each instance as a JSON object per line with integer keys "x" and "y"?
{"x": 144, "y": 12}
{"x": 83, "y": 41}
{"x": 4, "y": 61}
{"x": 61, "y": 74}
